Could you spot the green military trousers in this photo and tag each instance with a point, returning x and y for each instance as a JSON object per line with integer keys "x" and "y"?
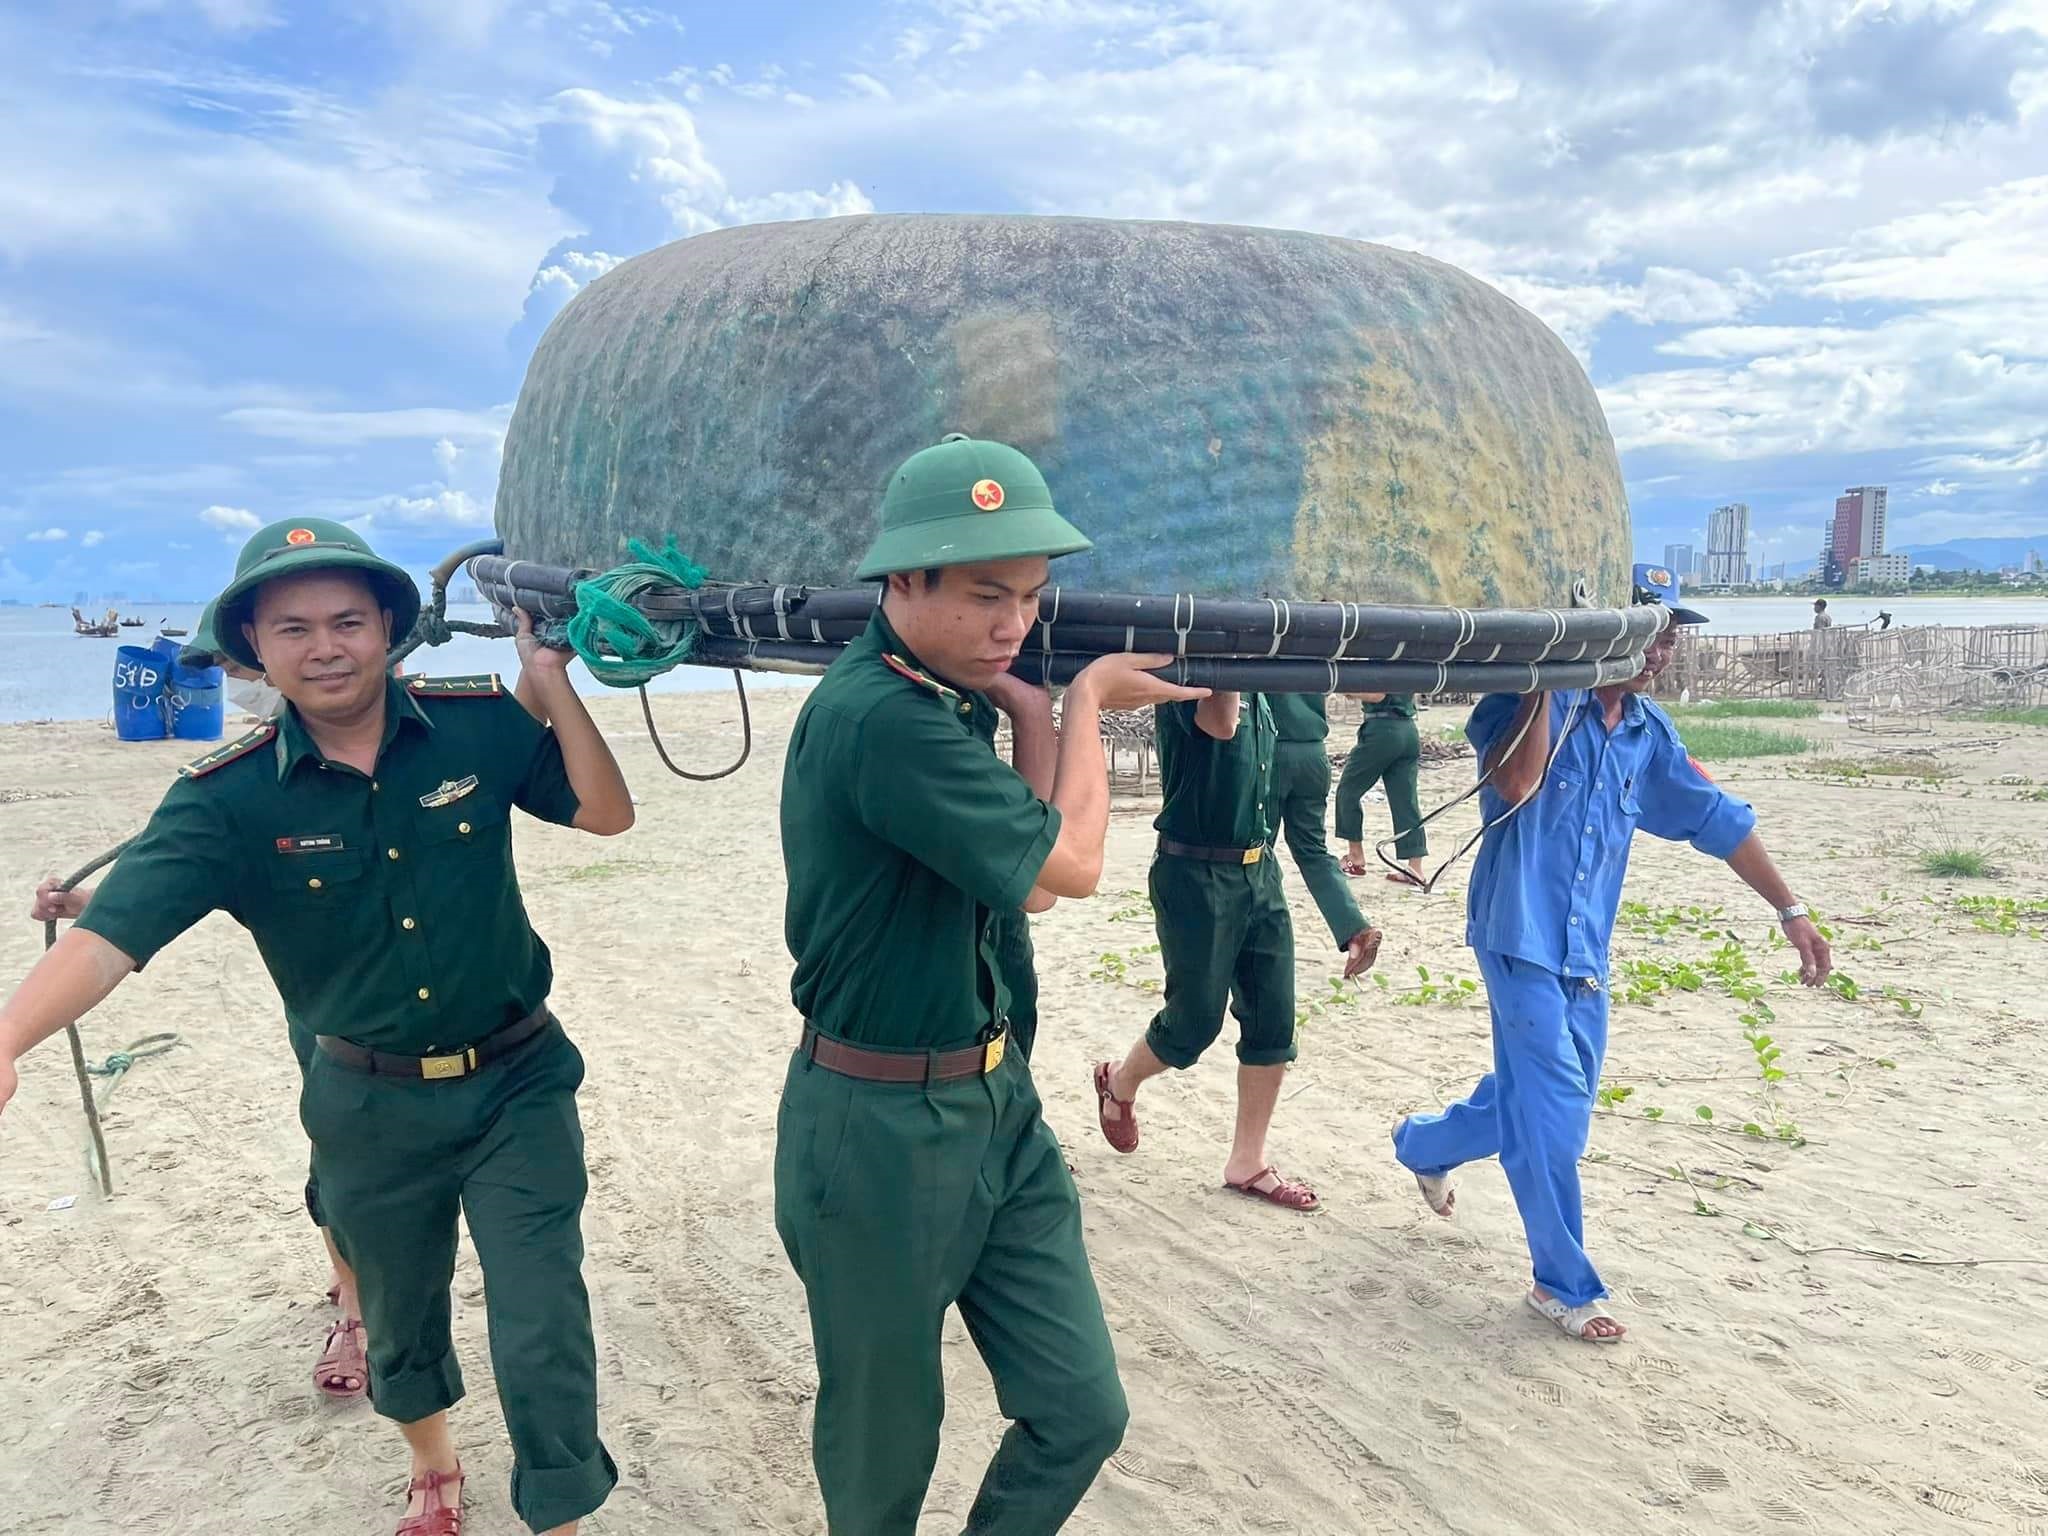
{"x": 396, "y": 1160}
{"x": 1301, "y": 800}
{"x": 895, "y": 1201}
{"x": 1226, "y": 940}
{"x": 1009, "y": 937}
{"x": 1389, "y": 750}
{"x": 301, "y": 1040}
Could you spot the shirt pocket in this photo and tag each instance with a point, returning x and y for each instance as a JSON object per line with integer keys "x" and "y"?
{"x": 473, "y": 826}
{"x": 1562, "y": 804}
{"x": 307, "y": 880}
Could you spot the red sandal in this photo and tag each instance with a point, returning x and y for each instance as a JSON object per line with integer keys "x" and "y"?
{"x": 1122, "y": 1132}
{"x": 343, "y": 1360}
{"x": 1290, "y": 1194}
{"x": 439, "y": 1518}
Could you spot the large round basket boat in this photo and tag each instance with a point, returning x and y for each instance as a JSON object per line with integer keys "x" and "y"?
{"x": 1227, "y": 412}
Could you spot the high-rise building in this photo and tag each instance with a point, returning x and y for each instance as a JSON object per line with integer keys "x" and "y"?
{"x": 1856, "y": 532}
{"x": 1678, "y": 560}
{"x": 1727, "y": 562}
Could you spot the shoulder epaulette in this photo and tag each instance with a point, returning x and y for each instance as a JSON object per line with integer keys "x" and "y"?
{"x": 227, "y": 752}
{"x": 904, "y": 669}
{"x": 484, "y": 685}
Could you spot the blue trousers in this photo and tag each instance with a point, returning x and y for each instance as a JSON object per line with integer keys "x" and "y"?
{"x": 1533, "y": 1111}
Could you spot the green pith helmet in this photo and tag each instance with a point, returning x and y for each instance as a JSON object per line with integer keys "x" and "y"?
{"x": 963, "y": 502}
{"x": 203, "y": 648}
{"x": 295, "y": 546}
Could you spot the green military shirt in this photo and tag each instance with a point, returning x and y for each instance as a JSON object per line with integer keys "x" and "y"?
{"x": 901, "y": 832}
{"x": 1394, "y": 705}
{"x": 1216, "y": 791}
{"x": 1300, "y": 716}
{"x": 385, "y": 906}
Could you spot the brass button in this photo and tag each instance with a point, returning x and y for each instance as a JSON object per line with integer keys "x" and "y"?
{"x": 374, "y": 785}
{"x": 462, "y": 826}
{"x": 409, "y": 924}
{"x": 391, "y": 853}
{"x": 314, "y": 883}
{"x": 423, "y": 994}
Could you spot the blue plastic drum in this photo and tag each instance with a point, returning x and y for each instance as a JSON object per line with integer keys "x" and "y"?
{"x": 198, "y": 703}
{"x": 141, "y": 687}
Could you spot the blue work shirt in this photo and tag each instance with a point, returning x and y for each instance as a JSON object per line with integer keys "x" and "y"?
{"x": 1548, "y": 881}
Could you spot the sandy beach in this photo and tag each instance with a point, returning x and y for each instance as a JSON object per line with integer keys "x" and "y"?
{"x": 1836, "y": 1329}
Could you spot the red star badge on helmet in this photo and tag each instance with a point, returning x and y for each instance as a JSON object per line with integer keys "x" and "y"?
{"x": 299, "y": 536}
{"x": 987, "y": 495}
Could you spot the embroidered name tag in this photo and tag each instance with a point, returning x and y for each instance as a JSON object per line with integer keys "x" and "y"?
{"x": 325, "y": 842}
{"x": 450, "y": 791}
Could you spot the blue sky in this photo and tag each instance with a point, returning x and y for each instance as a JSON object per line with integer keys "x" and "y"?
{"x": 263, "y": 258}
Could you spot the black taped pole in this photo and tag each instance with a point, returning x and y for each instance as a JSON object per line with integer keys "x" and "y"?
{"x": 1233, "y": 673}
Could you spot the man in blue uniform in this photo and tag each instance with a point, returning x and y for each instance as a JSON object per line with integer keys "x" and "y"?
{"x": 1581, "y": 771}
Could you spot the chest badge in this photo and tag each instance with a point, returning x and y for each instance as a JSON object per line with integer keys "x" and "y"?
{"x": 450, "y": 791}
{"x": 322, "y": 842}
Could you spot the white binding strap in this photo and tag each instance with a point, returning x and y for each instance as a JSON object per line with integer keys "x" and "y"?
{"x": 1283, "y": 616}
{"x": 1347, "y": 629}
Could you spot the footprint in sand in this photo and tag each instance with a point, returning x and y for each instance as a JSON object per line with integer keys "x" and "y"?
{"x": 1706, "y": 1478}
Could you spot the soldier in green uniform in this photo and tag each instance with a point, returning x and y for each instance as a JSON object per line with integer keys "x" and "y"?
{"x": 1009, "y": 931}
{"x": 1301, "y": 807}
{"x": 364, "y": 839}
{"x": 913, "y": 1169}
{"x": 1224, "y": 933}
{"x": 1388, "y": 751}
{"x": 342, "y": 1369}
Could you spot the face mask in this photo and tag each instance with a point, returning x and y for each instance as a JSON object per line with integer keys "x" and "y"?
{"x": 256, "y": 696}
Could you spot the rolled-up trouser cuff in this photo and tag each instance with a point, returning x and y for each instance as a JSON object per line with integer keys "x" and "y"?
{"x": 410, "y": 1396}
{"x": 1267, "y": 1056}
{"x": 552, "y": 1496}
{"x": 1173, "y": 1048}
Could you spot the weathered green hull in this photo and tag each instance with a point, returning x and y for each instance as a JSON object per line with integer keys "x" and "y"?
{"x": 1225, "y": 411}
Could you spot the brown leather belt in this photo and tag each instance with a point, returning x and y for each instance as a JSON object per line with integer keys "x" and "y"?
{"x": 903, "y": 1066}
{"x": 439, "y": 1068}
{"x": 1250, "y": 855}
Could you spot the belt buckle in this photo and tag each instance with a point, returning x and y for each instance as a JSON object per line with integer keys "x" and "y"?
{"x": 992, "y": 1053}
{"x": 1254, "y": 854}
{"x": 435, "y": 1068}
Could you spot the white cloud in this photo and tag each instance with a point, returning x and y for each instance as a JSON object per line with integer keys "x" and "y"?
{"x": 868, "y": 85}
{"x": 329, "y": 428}
{"x": 233, "y": 521}
{"x": 445, "y": 508}
{"x": 48, "y": 535}
{"x": 92, "y": 538}
{"x": 1939, "y": 342}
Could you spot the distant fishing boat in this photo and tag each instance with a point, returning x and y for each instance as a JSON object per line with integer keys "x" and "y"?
{"x": 98, "y": 629}
{"x": 132, "y": 623}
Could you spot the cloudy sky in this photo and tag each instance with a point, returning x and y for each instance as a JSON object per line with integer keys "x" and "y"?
{"x": 265, "y": 258}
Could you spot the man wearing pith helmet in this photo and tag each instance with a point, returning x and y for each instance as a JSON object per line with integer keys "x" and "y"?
{"x": 363, "y": 837}
{"x": 913, "y": 1170}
